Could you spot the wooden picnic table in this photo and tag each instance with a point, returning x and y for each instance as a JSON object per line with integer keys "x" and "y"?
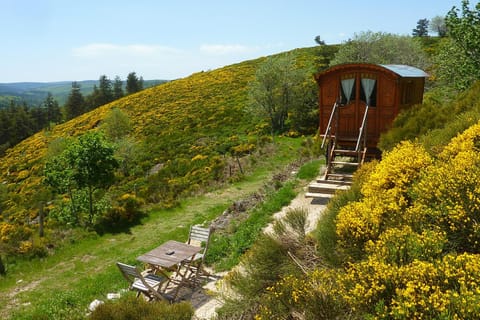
{"x": 169, "y": 255}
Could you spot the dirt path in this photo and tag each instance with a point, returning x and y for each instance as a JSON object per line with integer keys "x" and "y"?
{"x": 205, "y": 304}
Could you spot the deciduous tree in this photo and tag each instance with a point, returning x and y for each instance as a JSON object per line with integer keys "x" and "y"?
{"x": 94, "y": 165}
{"x": 116, "y": 124}
{"x": 459, "y": 58}
{"x": 437, "y": 25}
{"x": 275, "y": 90}
{"x": 87, "y": 164}
{"x": 382, "y": 48}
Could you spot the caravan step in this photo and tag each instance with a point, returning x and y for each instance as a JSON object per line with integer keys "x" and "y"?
{"x": 341, "y": 180}
{"x": 328, "y": 188}
{"x": 337, "y": 177}
{"x": 345, "y": 163}
{"x": 346, "y": 151}
{"x": 318, "y": 195}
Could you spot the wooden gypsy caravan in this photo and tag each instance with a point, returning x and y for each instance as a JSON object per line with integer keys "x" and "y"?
{"x": 358, "y": 102}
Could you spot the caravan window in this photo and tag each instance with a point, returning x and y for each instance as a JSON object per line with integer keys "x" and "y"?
{"x": 347, "y": 89}
{"x": 368, "y": 89}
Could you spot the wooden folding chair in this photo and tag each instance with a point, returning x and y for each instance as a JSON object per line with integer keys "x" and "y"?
{"x": 199, "y": 237}
{"x": 147, "y": 284}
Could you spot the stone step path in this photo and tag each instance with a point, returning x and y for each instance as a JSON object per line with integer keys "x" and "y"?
{"x": 214, "y": 288}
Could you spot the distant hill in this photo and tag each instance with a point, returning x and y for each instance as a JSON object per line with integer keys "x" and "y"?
{"x": 33, "y": 93}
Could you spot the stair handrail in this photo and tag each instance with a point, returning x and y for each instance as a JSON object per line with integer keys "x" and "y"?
{"x": 362, "y": 130}
{"x": 329, "y": 125}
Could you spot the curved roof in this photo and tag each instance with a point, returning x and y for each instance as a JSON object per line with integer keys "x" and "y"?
{"x": 398, "y": 70}
{"x": 405, "y": 71}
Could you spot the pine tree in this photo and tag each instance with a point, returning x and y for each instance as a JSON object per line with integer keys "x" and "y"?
{"x": 422, "y": 28}
{"x": 118, "y": 88}
{"x": 75, "y": 104}
{"x": 134, "y": 84}
{"x": 52, "y": 109}
{"x": 102, "y": 94}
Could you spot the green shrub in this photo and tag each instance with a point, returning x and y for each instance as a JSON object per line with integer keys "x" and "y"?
{"x": 312, "y": 295}
{"x": 310, "y": 170}
{"x": 436, "y": 139}
{"x": 414, "y": 122}
{"x": 325, "y": 232}
{"x": 130, "y": 308}
{"x": 312, "y": 147}
{"x": 263, "y": 265}
{"x": 123, "y": 214}
{"x": 293, "y": 225}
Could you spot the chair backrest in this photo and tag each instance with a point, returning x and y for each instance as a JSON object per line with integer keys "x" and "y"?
{"x": 199, "y": 237}
{"x": 129, "y": 272}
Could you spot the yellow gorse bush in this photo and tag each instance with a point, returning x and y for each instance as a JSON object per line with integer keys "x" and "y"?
{"x": 402, "y": 245}
{"x": 411, "y": 244}
{"x": 418, "y": 226}
{"x": 386, "y": 196}
{"x": 449, "y": 192}
{"x": 469, "y": 140}
{"x": 446, "y": 289}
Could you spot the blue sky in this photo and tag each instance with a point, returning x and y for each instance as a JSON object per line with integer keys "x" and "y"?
{"x": 56, "y": 40}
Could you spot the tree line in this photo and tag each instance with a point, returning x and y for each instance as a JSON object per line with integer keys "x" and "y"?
{"x": 19, "y": 120}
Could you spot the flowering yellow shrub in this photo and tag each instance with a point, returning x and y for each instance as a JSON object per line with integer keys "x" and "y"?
{"x": 397, "y": 170}
{"x": 199, "y": 157}
{"x": 6, "y": 231}
{"x": 386, "y": 197}
{"x": 22, "y": 175}
{"x": 357, "y": 223}
{"x": 469, "y": 140}
{"x": 366, "y": 283}
{"x": 25, "y": 247}
{"x": 402, "y": 245}
{"x": 411, "y": 244}
{"x": 416, "y": 214}
{"x": 448, "y": 195}
{"x": 243, "y": 148}
{"x": 447, "y": 289}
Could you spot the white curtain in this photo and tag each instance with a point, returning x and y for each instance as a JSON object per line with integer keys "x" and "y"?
{"x": 368, "y": 85}
{"x": 347, "y": 86}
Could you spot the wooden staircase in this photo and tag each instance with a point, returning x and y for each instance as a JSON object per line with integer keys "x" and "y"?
{"x": 343, "y": 158}
{"x": 344, "y": 155}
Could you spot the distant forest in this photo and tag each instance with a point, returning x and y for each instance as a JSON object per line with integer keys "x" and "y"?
{"x": 23, "y": 113}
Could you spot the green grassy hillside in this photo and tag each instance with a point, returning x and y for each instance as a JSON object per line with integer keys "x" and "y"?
{"x": 178, "y": 120}
{"x": 186, "y": 128}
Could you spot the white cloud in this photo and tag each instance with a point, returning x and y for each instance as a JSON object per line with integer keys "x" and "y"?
{"x": 156, "y": 61}
{"x": 225, "y": 49}
{"x": 95, "y": 50}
